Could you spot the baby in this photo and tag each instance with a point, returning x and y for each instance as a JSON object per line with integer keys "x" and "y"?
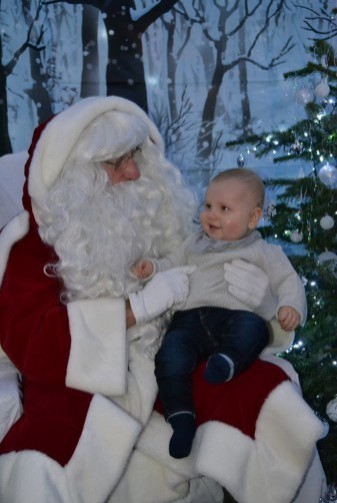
{"x": 212, "y": 323}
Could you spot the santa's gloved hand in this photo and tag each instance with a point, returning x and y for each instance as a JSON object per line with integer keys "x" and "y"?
{"x": 165, "y": 289}
{"x": 249, "y": 284}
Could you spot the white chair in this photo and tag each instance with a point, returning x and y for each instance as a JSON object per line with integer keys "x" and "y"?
{"x": 11, "y": 183}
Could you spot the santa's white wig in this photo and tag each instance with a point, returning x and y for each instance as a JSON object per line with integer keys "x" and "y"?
{"x": 100, "y": 230}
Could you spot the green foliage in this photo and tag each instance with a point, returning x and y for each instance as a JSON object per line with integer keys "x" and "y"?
{"x": 295, "y": 221}
{"x": 301, "y": 205}
{"x": 318, "y": 129}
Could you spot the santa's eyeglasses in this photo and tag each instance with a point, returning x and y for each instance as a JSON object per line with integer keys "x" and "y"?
{"x": 121, "y": 162}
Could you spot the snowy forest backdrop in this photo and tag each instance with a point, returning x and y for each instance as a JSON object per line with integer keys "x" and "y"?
{"x": 206, "y": 71}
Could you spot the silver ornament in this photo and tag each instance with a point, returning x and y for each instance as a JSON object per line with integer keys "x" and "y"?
{"x": 331, "y": 410}
{"x": 240, "y": 161}
{"x": 326, "y": 257}
{"x": 328, "y": 175}
{"x": 327, "y": 222}
{"x": 296, "y": 236}
{"x": 322, "y": 90}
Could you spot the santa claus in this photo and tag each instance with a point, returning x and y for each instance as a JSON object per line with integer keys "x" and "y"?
{"x": 82, "y": 333}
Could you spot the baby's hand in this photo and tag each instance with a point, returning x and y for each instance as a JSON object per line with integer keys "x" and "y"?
{"x": 288, "y": 318}
{"x": 143, "y": 269}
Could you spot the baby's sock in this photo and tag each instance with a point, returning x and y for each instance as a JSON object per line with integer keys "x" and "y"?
{"x": 219, "y": 369}
{"x": 184, "y": 428}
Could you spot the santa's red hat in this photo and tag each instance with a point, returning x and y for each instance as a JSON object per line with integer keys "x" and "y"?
{"x": 54, "y": 141}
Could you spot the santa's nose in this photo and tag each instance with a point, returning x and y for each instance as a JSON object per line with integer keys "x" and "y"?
{"x": 131, "y": 171}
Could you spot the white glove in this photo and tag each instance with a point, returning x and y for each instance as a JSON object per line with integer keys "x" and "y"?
{"x": 249, "y": 284}
{"x": 165, "y": 289}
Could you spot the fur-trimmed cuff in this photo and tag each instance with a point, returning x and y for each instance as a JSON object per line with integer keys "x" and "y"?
{"x": 95, "y": 468}
{"x": 101, "y": 456}
{"x": 98, "y": 354}
{"x": 270, "y": 468}
{"x": 275, "y": 463}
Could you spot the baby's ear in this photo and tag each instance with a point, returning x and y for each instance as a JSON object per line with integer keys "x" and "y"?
{"x": 255, "y": 216}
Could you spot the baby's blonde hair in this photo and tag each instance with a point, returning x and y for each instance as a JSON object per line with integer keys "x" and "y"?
{"x": 247, "y": 176}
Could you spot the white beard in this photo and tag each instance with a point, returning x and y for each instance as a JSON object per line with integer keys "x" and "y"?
{"x": 99, "y": 231}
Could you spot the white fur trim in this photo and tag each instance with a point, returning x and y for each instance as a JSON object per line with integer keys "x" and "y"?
{"x": 62, "y": 132}
{"x": 31, "y": 477}
{"x": 14, "y": 230}
{"x": 147, "y": 481}
{"x": 154, "y": 442}
{"x": 271, "y": 468}
{"x": 314, "y": 484}
{"x": 93, "y": 471}
{"x": 101, "y": 456}
{"x": 141, "y": 386}
{"x": 98, "y": 354}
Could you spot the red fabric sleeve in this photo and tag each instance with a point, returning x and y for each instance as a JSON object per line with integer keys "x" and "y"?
{"x": 34, "y": 328}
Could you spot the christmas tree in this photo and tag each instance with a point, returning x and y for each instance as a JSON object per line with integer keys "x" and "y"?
{"x": 303, "y": 219}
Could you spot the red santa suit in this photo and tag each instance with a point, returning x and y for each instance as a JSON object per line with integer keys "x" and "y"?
{"x": 89, "y": 432}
